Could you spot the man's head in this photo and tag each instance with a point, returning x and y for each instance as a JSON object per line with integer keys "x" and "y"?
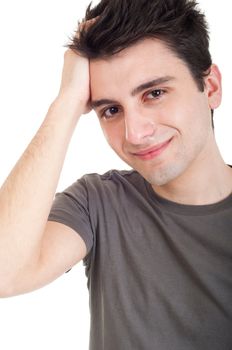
{"x": 152, "y": 88}
{"x": 122, "y": 23}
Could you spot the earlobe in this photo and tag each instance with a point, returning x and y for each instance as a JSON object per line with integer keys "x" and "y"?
{"x": 213, "y": 87}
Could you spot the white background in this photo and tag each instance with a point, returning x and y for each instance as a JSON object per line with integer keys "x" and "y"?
{"x": 32, "y": 35}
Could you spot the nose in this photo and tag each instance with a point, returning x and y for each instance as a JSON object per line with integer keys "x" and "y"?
{"x": 139, "y": 127}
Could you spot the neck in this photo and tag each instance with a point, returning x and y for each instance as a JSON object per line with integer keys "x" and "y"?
{"x": 207, "y": 180}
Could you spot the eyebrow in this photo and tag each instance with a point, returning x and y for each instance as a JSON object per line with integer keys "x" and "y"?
{"x": 102, "y": 102}
{"x": 135, "y": 91}
{"x": 150, "y": 84}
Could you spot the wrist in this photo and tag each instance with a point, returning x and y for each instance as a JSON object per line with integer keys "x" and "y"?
{"x": 68, "y": 105}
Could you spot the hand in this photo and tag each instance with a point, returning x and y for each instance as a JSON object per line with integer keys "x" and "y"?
{"x": 75, "y": 81}
{"x": 75, "y": 77}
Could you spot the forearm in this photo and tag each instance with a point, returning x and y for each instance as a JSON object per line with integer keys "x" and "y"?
{"x": 27, "y": 194}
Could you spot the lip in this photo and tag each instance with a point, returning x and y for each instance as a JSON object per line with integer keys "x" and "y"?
{"x": 153, "y": 151}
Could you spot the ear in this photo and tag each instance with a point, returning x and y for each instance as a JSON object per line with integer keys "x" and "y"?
{"x": 213, "y": 87}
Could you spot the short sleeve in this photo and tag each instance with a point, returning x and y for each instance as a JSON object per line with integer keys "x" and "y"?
{"x": 71, "y": 208}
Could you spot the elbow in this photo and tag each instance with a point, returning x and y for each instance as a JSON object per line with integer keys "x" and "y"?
{"x": 8, "y": 287}
{"x": 6, "y": 292}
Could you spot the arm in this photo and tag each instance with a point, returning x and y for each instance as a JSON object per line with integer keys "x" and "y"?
{"x": 26, "y": 197}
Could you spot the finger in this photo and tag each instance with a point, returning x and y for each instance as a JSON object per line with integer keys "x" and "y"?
{"x": 85, "y": 25}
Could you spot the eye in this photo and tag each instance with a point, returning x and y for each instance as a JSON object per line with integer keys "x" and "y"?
{"x": 110, "y": 112}
{"x": 155, "y": 94}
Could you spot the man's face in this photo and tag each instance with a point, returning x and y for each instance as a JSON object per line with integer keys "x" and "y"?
{"x": 151, "y": 110}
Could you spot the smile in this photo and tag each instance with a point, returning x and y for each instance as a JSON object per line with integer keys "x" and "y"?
{"x": 153, "y": 152}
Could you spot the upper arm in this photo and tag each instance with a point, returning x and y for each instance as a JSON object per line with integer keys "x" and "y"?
{"x": 61, "y": 249}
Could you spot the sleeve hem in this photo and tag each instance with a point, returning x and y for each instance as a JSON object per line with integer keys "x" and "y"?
{"x": 79, "y": 231}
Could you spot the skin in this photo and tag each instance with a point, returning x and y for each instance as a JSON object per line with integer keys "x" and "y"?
{"x": 170, "y": 113}
{"x": 33, "y": 252}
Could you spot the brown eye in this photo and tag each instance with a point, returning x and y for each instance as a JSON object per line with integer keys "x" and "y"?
{"x": 110, "y": 112}
{"x": 155, "y": 94}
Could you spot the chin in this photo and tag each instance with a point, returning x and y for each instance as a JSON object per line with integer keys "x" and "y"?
{"x": 163, "y": 175}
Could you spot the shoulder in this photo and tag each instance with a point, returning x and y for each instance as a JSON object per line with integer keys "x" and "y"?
{"x": 114, "y": 176}
{"x": 114, "y": 183}
{"x": 113, "y": 180}
{"x": 102, "y": 189}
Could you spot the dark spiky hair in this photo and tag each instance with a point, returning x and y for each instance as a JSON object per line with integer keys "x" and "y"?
{"x": 122, "y": 23}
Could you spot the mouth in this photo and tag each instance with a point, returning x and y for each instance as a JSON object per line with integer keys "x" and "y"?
{"x": 153, "y": 152}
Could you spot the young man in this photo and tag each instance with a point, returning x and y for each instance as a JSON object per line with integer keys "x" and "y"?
{"x": 156, "y": 241}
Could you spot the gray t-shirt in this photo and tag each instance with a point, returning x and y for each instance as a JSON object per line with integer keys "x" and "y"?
{"x": 159, "y": 273}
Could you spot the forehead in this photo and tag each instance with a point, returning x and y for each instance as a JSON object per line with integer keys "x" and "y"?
{"x": 134, "y": 65}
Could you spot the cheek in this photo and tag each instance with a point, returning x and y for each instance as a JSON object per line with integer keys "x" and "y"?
{"x": 195, "y": 128}
{"x": 192, "y": 115}
{"x": 113, "y": 134}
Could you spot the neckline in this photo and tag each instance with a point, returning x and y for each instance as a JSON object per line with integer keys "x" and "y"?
{"x": 188, "y": 209}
